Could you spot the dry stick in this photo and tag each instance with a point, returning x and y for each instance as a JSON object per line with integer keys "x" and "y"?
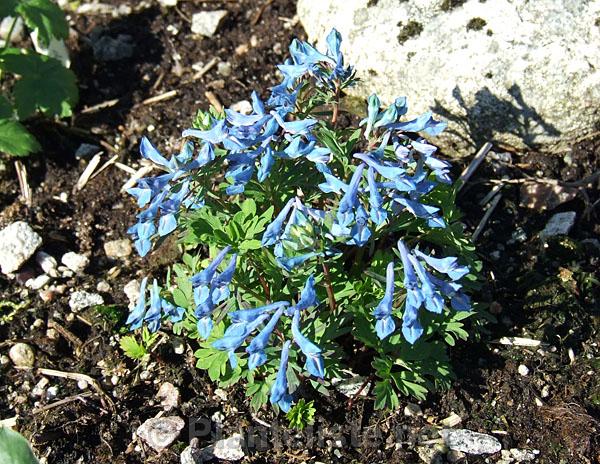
{"x": 23, "y": 182}
{"x": 213, "y": 100}
{"x": 472, "y": 167}
{"x": 207, "y": 67}
{"x": 108, "y": 146}
{"x": 88, "y": 171}
{"x": 76, "y": 376}
{"x": 138, "y": 175}
{"x": 486, "y": 217}
{"x": 357, "y": 394}
{"x": 99, "y": 106}
{"x": 159, "y": 98}
{"x": 124, "y": 167}
{"x": 105, "y": 165}
{"x": 329, "y": 286}
{"x": 260, "y": 12}
{"x": 66, "y": 334}
{"x": 61, "y": 402}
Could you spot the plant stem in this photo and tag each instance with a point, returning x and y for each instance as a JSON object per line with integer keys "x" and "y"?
{"x": 330, "y": 293}
{"x": 10, "y": 32}
{"x": 336, "y": 105}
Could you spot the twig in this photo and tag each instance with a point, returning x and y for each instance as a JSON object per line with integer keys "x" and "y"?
{"x": 359, "y": 391}
{"x": 108, "y": 146}
{"x": 76, "y": 376}
{"x": 329, "y": 287}
{"x": 23, "y": 182}
{"x": 124, "y": 167}
{"x": 66, "y": 334}
{"x": 260, "y": 12}
{"x": 105, "y": 165}
{"x": 99, "y": 106}
{"x": 69, "y": 399}
{"x": 486, "y": 217}
{"x": 472, "y": 167}
{"x": 213, "y": 100}
{"x": 207, "y": 67}
{"x": 88, "y": 171}
{"x": 138, "y": 175}
{"x": 159, "y": 98}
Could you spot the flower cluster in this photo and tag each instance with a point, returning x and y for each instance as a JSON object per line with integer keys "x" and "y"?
{"x": 422, "y": 289}
{"x": 246, "y": 321}
{"x": 159, "y": 309}
{"x": 359, "y": 196}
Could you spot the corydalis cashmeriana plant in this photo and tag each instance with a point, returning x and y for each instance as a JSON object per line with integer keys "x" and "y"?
{"x": 300, "y": 218}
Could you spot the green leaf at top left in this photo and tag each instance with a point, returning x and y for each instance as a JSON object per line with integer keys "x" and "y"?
{"x": 15, "y": 140}
{"x": 14, "y": 448}
{"x": 45, "y": 84}
{"x": 46, "y": 17}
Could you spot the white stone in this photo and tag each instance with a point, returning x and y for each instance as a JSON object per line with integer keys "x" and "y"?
{"x": 522, "y": 455}
{"x": 118, "y": 248}
{"x": 452, "y": 420}
{"x": 412, "y": 410}
{"x": 470, "y": 442}
{"x": 46, "y": 262}
{"x": 40, "y": 387}
{"x": 228, "y": 449}
{"x": 506, "y": 85}
{"x": 243, "y": 106}
{"x": 38, "y": 282}
{"x": 224, "y": 68}
{"x": 221, "y": 394}
{"x": 178, "y": 345}
{"x": 559, "y": 224}
{"x": 103, "y": 286}
{"x": 82, "y": 385}
{"x": 167, "y": 3}
{"x": 169, "y": 396}
{"x": 351, "y": 386}
{"x": 17, "y": 33}
{"x": 160, "y": 432}
{"x": 52, "y": 392}
{"x": 81, "y": 300}
{"x": 206, "y": 22}
{"x": 74, "y": 261}
{"x": 22, "y": 355}
{"x": 523, "y": 370}
{"x": 218, "y": 417}
{"x": 191, "y": 455}
{"x": 18, "y": 242}
{"x": 132, "y": 292}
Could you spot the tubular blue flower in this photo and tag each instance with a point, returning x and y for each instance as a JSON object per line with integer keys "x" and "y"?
{"x": 279, "y": 389}
{"x": 273, "y": 231}
{"x": 314, "y": 361}
{"x": 204, "y": 327}
{"x": 350, "y": 201}
{"x": 360, "y": 231}
{"x": 301, "y": 126}
{"x": 430, "y": 213}
{"x": 205, "y": 277}
{"x": 289, "y": 264}
{"x": 257, "y": 346}
{"x": 236, "y": 333}
{"x": 411, "y": 327}
{"x": 385, "y": 324}
{"x": 141, "y": 233}
{"x": 266, "y": 163}
{"x": 215, "y": 134}
{"x": 308, "y": 296}
{"x": 424, "y": 123}
{"x": 448, "y": 266}
{"x": 174, "y": 313}
{"x": 332, "y": 184}
{"x": 136, "y": 316}
{"x": 153, "y": 314}
{"x": 220, "y": 284}
{"x": 377, "y": 213}
{"x": 432, "y": 299}
{"x": 249, "y": 315}
{"x": 387, "y": 171}
{"x": 373, "y": 106}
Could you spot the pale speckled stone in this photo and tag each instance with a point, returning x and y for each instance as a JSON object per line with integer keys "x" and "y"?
{"x": 18, "y": 242}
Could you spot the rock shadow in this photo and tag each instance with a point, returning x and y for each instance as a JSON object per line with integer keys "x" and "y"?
{"x": 492, "y": 114}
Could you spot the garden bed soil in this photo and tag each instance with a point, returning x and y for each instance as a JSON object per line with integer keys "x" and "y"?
{"x": 540, "y": 291}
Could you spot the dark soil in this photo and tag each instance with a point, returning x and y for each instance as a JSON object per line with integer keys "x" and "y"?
{"x": 544, "y": 292}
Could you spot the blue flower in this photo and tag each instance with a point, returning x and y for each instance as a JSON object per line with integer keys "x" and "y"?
{"x": 447, "y": 265}
{"x": 257, "y": 346}
{"x": 424, "y": 123}
{"x": 274, "y": 230}
{"x": 308, "y": 296}
{"x": 360, "y": 231}
{"x": 385, "y": 324}
{"x": 377, "y": 213}
{"x": 314, "y": 361}
{"x": 136, "y": 316}
{"x": 154, "y": 313}
{"x": 350, "y": 200}
{"x": 279, "y": 389}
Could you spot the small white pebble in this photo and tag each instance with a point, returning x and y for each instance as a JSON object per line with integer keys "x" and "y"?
{"x": 114, "y": 380}
{"x": 571, "y": 354}
{"x": 82, "y": 384}
{"x": 545, "y": 391}
{"x": 523, "y": 370}
{"x": 539, "y": 403}
{"x": 52, "y": 392}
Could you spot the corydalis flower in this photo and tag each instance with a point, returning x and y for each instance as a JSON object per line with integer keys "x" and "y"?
{"x": 158, "y": 309}
{"x": 385, "y": 324}
{"x": 279, "y": 389}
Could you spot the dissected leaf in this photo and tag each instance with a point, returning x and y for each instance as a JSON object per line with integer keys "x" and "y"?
{"x": 15, "y": 139}
{"x": 132, "y": 348}
{"x": 45, "y": 84}
{"x": 46, "y": 17}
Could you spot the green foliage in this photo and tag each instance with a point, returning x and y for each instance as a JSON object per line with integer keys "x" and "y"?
{"x": 43, "y": 85}
{"x": 138, "y": 350}
{"x": 14, "y": 448}
{"x": 301, "y": 414}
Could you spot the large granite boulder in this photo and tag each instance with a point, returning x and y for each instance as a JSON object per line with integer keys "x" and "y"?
{"x": 518, "y": 73}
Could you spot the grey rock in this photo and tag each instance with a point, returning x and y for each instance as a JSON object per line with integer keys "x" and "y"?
{"x": 75, "y": 262}
{"x": 490, "y": 83}
{"x": 229, "y": 449}
{"x": 81, "y": 300}
{"x": 470, "y": 442}
{"x": 167, "y": 3}
{"x": 350, "y": 387}
{"x": 206, "y": 22}
{"x": 118, "y": 248}
{"x": 38, "y": 282}
{"x": 430, "y": 455}
{"x": 412, "y": 410}
{"x": 522, "y": 455}
{"x": 22, "y": 355}
{"x": 18, "y": 242}
{"x": 87, "y": 150}
{"x": 46, "y": 262}
{"x": 559, "y": 224}
{"x": 169, "y": 396}
{"x": 224, "y": 68}
{"x": 132, "y": 292}
{"x": 103, "y": 286}
{"x": 17, "y": 33}
{"x": 191, "y": 455}
{"x": 107, "y": 48}
{"x": 160, "y": 432}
